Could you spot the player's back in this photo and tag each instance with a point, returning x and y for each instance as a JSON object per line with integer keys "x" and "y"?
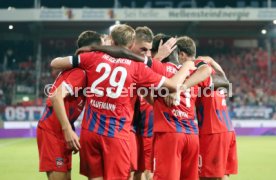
{"x": 73, "y": 104}
{"x": 212, "y": 113}
{"x": 110, "y": 105}
{"x": 178, "y": 118}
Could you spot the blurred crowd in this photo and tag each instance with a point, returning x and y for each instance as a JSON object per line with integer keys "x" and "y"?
{"x": 246, "y": 69}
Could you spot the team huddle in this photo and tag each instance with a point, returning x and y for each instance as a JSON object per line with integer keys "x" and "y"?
{"x": 141, "y": 95}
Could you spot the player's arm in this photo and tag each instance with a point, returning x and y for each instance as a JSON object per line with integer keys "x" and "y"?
{"x": 176, "y": 82}
{"x": 83, "y": 61}
{"x": 114, "y": 51}
{"x": 62, "y": 62}
{"x": 219, "y": 78}
{"x": 57, "y": 99}
{"x": 159, "y": 80}
{"x": 203, "y": 72}
{"x": 218, "y": 69}
{"x": 164, "y": 50}
{"x": 220, "y": 81}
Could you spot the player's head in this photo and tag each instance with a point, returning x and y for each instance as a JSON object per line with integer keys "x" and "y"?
{"x": 155, "y": 45}
{"x": 143, "y": 41}
{"x": 157, "y": 38}
{"x": 123, "y": 35}
{"x": 187, "y": 48}
{"x": 87, "y": 38}
{"x": 106, "y": 40}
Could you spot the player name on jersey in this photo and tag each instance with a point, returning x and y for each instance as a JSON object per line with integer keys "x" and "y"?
{"x": 179, "y": 113}
{"x": 171, "y": 69}
{"x": 103, "y": 105}
{"x": 116, "y": 60}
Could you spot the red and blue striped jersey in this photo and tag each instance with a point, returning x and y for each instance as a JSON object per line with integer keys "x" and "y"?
{"x": 212, "y": 113}
{"x": 113, "y": 84}
{"x": 75, "y": 81}
{"x": 143, "y": 124}
{"x": 179, "y": 118}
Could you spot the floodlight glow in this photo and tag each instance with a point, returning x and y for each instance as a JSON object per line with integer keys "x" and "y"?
{"x": 112, "y": 27}
{"x": 25, "y": 98}
{"x": 11, "y": 8}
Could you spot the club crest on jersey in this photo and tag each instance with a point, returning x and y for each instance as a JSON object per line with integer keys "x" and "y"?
{"x": 59, "y": 162}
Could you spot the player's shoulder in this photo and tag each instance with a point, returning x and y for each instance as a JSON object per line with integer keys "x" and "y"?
{"x": 138, "y": 65}
{"x": 71, "y": 75}
{"x": 97, "y": 53}
{"x": 92, "y": 53}
{"x": 73, "y": 71}
{"x": 199, "y": 63}
{"x": 91, "y": 56}
{"x": 176, "y": 66}
{"x": 196, "y": 61}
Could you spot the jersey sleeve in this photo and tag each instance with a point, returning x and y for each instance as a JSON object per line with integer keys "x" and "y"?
{"x": 76, "y": 79}
{"x": 146, "y": 77}
{"x": 199, "y": 63}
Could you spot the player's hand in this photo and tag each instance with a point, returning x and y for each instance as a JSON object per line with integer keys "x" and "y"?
{"x": 172, "y": 99}
{"x": 72, "y": 140}
{"x": 206, "y": 59}
{"x": 164, "y": 50}
{"x": 83, "y": 49}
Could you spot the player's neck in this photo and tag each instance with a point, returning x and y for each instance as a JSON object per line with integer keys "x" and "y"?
{"x": 175, "y": 62}
{"x": 173, "y": 58}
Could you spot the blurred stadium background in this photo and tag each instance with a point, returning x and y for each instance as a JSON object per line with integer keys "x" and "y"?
{"x": 240, "y": 35}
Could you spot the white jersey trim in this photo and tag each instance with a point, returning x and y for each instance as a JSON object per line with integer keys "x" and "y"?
{"x": 79, "y": 59}
{"x": 68, "y": 88}
{"x": 70, "y": 59}
{"x": 211, "y": 81}
{"x": 146, "y": 60}
{"x": 161, "y": 82}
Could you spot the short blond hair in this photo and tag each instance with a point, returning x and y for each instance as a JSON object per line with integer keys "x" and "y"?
{"x": 123, "y": 35}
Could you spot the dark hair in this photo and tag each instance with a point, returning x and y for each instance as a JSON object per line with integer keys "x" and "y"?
{"x": 88, "y": 38}
{"x": 156, "y": 41}
{"x": 187, "y": 45}
{"x": 155, "y": 46}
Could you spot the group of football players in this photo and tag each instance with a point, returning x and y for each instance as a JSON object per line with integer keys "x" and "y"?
{"x": 140, "y": 94}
